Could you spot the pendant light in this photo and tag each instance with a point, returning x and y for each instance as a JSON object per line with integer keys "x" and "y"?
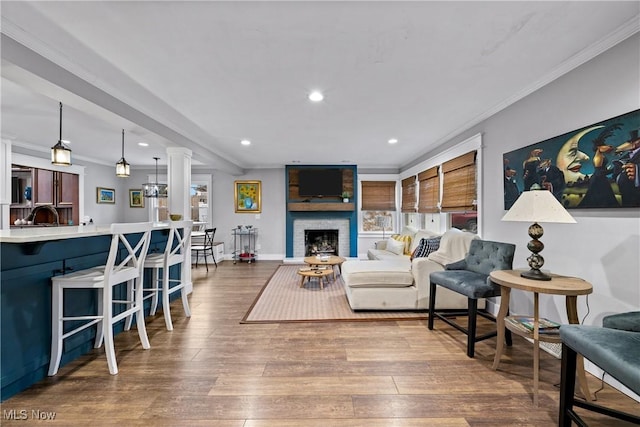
{"x": 60, "y": 154}
{"x": 154, "y": 189}
{"x": 122, "y": 167}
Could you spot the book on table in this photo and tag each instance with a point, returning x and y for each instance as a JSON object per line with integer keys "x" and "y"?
{"x": 545, "y": 326}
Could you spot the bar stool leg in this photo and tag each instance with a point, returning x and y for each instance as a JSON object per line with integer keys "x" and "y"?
{"x": 130, "y": 297}
{"x": 154, "y": 295}
{"x": 107, "y": 331}
{"x": 166, "y": 309}
{"x": 57, "y": 330}
{"x": 140, "y": 323}
{"x": 101, "y": 324}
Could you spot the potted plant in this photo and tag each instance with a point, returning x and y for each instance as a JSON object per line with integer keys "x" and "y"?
{"x": 345, "y": 196}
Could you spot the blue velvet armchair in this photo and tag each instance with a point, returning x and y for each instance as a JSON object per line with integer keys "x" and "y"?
{"x": 470, "y": 277}
{"x": 614, "y": 347}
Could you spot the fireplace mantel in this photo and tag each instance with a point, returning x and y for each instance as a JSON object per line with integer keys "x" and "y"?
{"x": 299, "y": 208}
{"x": 326, "y": 207}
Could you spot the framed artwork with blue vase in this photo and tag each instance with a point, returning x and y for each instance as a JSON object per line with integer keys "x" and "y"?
{"x": 248, "y": 196}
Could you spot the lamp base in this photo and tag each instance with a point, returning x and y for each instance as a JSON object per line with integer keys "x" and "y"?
{"x": 535, "y": 274}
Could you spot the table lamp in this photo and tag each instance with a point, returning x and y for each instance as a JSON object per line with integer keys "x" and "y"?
{"x": 537, "y": 205}
{"x": 383, "y": 222}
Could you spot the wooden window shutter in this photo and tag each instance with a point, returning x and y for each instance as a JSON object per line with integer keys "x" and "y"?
{"x": 378, "y": 195}
{"x": 459, "y": 183}
{"x": 428, "y": 190}
{"x": 409, "y": 194}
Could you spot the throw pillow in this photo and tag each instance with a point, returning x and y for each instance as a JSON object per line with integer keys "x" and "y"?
{"x": 404, "y": 239}
{"x": 395, "y": 246}
{"x": 425, "y": 247}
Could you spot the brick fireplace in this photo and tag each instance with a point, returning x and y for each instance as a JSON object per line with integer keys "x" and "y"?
{"x": 321, "y": 213}
{"x": 300, "y": 226}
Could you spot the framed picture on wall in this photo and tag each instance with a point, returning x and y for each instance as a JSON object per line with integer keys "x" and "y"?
{"x": 592, "y": 167}
{"x": 135, "y": 199}
{"x": 105, "y": 195}
{"x": 248, "y": 196}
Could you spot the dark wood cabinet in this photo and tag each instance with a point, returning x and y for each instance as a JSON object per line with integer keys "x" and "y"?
{"x": 67, "y": 189}
{"x": 43, "y": 187}
{"x": 53, "y": 188}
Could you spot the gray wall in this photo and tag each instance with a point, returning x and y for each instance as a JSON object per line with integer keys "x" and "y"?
{"x": 603, "y": 247}
{"x": 270, "y": 222}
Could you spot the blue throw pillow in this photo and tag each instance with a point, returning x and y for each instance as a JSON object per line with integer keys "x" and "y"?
{"x": 425, "y": 247}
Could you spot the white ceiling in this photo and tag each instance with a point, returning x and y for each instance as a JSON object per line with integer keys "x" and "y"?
{"x": 206, "y": 74}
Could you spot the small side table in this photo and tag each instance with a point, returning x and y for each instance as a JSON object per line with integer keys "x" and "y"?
{"x": 332, "y": 260}
{"x": 570, "y": 287}
{"x": 308, "y": 273}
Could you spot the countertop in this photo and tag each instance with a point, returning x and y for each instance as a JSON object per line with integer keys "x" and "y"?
{"x": 42, "y": 234}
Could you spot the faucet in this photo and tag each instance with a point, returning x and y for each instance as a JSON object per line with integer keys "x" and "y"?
{"x": 34, "y": 213}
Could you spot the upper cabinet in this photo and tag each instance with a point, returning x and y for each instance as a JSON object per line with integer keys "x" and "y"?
{"x": 32, "y": 187}
{"x": 59, "y": 189}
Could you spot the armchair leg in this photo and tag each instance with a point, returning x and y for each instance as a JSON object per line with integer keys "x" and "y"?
{"x": 567, "y": 386}
{"x": 471, "y": 337}
{"x": 432, "y": 305}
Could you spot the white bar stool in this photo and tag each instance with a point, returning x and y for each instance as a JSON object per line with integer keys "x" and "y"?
{"x": 104, "y": 279}
{"x": 176, "y": 252}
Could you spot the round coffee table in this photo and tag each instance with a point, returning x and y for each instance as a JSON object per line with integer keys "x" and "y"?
{"x": 331, "y": 260}
{"x": 308, "y": 273}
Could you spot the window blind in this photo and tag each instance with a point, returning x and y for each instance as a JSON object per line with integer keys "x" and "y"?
{"x": 409, "y": 194}
{"x": 378, "y": 195}
{"x": 459, "y": 183}
{"x": 428, "y": 190}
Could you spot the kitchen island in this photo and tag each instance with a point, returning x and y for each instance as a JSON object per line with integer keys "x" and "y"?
{"x": 29, "y": 257}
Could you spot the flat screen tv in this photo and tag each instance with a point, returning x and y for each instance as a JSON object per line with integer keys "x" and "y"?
{"x": 320, "y": 182}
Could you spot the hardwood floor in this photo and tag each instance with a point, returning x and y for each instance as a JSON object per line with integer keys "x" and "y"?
{"x": 213, "y": 371}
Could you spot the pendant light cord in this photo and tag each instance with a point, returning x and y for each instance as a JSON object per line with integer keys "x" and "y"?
{"x": 123, "y": 143}
{"x": 157, "y": 158}
{"x": 60, "y": 139}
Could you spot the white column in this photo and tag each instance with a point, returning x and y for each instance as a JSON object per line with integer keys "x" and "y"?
{"x": 5, "y": 186}
{"x": 179, "y": 189}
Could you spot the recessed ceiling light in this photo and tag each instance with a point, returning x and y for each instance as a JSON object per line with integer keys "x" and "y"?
{"x": 393, "y": 141}
{"x": 316, "y": 96}
{"x": 245, "y": 142}
{"x": 143, "y": 144}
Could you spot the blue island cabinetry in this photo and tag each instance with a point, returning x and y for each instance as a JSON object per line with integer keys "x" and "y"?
{"x": 27, "y": 263}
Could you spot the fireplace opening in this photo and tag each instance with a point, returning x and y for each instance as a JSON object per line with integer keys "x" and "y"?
{"x": 321, "y": 242}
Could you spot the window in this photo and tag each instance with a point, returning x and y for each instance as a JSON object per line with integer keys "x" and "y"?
{"x": 429, "y": 190}
{"x": 459, "y": 192}
{"x": 378, "y": 205}
{"x": 459, "y": 184}
{"x": 409, "y": 196}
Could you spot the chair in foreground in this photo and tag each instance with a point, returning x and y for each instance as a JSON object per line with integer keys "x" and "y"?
{"x": 104, "y": 279}
{"x": 470, "y": 277}
{"x": 205, "y": 248}
{"x": 614, "y": 348}
{"x": 175, "y": 252}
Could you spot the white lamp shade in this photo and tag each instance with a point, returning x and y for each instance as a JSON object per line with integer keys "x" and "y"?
{"x": 538, "y": 206}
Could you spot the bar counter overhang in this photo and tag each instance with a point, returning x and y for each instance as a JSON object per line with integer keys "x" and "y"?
{"x": 29, "y": 257}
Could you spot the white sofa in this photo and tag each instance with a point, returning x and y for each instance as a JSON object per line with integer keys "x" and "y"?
{"x": 390, "y": 281}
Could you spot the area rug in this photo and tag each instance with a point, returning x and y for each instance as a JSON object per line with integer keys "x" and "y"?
{"x": 283, "y": 300}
